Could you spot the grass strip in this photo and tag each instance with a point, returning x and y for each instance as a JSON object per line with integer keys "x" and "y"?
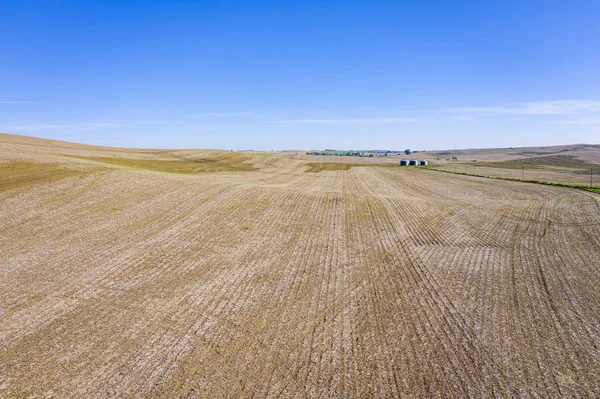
{"x": 545, "y": 183}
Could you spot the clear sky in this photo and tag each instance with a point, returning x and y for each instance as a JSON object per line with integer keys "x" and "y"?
{"x": 302, "y": 74}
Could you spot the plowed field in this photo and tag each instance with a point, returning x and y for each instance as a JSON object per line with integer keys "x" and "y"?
{"x": 126, "y": 274}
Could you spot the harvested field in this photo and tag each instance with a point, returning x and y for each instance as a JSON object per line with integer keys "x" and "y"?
{"x": 222, "y": 163}
{"x": 562, "y": 164}
{"x": 546, "y": 161}
{"x": 262, "y": 279}
{"x": 321, "y": 166}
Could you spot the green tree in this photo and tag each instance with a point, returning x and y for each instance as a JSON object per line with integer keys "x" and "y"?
{"x": 408, "y": 151}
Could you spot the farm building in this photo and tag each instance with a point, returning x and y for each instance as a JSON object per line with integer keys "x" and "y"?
{"x": 413, "y": 162}
{"x": 423, "y": 162}
{"x": 403, "y": 162}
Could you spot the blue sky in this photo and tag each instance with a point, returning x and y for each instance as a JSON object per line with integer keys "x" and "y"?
{"x": 302, "y": 74}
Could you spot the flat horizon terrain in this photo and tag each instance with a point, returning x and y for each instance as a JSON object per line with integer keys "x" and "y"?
{"x": 205, "y": 273}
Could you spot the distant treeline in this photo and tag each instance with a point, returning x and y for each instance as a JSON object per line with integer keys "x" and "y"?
{"x": 360, "y": 153}
{"x": 350, "y": 153}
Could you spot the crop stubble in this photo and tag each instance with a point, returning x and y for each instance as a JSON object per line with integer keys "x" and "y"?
{"x": 274, "y": 282}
